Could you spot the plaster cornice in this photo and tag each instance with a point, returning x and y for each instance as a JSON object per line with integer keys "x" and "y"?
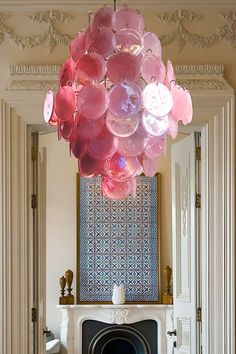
{"x": 217, "y": 69}
{"x": 44, "y": 77}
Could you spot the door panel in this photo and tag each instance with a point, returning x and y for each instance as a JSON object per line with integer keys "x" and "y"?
{"x": 39, "y": 243}
{"x": 42, "y": 248}
{"x": 184, "y": 244}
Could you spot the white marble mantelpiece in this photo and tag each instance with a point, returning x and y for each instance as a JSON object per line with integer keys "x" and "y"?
{"x": 74, "y": 315}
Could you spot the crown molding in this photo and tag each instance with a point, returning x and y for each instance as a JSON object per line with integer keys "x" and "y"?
{"x": 216, "y": 69}
{"x": 203, "y": 69}
{"x": 45, "y": 77}
{"x": 33, "y": 69}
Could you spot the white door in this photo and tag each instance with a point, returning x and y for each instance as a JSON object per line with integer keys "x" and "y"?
{"x": 39, "y": 245}
{"x": 184, "y": 231}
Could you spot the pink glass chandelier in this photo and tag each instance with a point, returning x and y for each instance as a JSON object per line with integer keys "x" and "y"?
{"x": 117, "y": 101}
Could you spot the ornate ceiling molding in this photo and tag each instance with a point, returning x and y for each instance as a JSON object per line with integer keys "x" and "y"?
{"x": 183, "y": 37}
{"x": 179, "y": 19}
{"x": 44, "y": 77}
{"x": 51, "y": 36}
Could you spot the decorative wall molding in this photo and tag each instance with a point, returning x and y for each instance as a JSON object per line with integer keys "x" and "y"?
{"x": 183, "y": 37}
{"x": 44, "y": 77}
{"x": 120, "y": 315}
{"x": 203, "y": 84}
{"x": 51, "y": 36}
{"x": 179, "y": 18}
{"x": 50, "y": 18}
{"x": 15, "y": 40}
{"x": 33, "y": 85}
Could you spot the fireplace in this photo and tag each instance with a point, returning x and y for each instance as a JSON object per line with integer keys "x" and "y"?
{"x": 123, "y": 329}
{"x": 135, "y": 338}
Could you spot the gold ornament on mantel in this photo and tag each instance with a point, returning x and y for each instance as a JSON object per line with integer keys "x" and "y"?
{"x": 69, "y": 279}
{"x": 62, "y": 298}
{"x": 66, "y": 280}
{"x": 167, "y": 297}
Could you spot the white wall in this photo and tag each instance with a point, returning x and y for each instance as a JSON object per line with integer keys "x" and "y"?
{"x": 61, "y": 222}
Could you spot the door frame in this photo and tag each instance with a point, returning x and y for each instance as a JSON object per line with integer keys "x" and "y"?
{"x": 214, "y": 110}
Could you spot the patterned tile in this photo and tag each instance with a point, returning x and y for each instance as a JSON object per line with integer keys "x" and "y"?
{"x": 118, "y": 242}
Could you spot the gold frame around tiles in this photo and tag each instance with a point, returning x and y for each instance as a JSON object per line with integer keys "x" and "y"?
{"x": 78, "y": 248}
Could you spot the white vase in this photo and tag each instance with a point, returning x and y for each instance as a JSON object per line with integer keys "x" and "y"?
{"x": 118, "y": 296}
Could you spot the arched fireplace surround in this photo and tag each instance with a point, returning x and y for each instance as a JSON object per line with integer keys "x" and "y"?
{"x": 136, "y": 338}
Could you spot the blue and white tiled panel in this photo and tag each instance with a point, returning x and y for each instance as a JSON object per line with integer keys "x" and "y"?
{"x": 118, "y": 242}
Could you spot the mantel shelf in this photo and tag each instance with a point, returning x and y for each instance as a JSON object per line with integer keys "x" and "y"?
{"x": 112, "y": 306}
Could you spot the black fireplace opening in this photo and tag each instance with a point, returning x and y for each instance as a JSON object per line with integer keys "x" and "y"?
{"x": 119, "y": 346}
{"x": 135, "y": 338}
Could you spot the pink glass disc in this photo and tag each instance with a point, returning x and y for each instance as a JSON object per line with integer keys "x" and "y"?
{"x": 54, "y": 119}
{"x": 129, "y": 40}
{"x": 133, "y": 145}
{"x": 149, "y": 166}
{"x": 121, "y": 168}
{"x": 173, "y": 127}
{"x": 123, "y": 67}
{"x": 102, "y": 41}
{"x": 117, "y": 190}
{"x": 59, "y": 131}
{"x": 103, "y": 146}
{"x": 67, "y": 73}
{"x": 121, "y": 126}
{"x": 157, "y": 99}
{"x": 153, "y": 125}
{"x": 78, "y": 145}
{"x": 170, "y": 75}
{"x": 182, "y": 105}
{"x": 129, "y": 18}
{"x": 140, "y": 58}
{"x": 65, "y": 103}
{"x": 88, "y": 166}
{"x": 48, "y": 106}
{"x": 92, "y": 101}
{"x": 66, "y": 128}
{"x": 151, "y": 45}
{"x": 125, "y": 99}
{"x": 79, "y": 46}
{"x": 90, "y": 68}
{"x": 104, "y": 17}
{"x": 88, "y": 128}
{"x": 153, "y": 69}
{"x": 155, "y": 146}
